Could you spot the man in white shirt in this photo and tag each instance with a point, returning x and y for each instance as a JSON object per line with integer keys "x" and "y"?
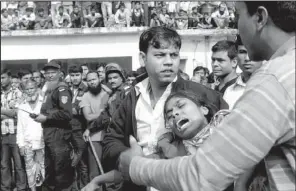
{"x": 236, "y": 90}
{"x": 141, "y": 112}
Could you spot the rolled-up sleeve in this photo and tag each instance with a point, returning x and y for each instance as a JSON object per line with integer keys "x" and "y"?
{"x": 261, "y": 118}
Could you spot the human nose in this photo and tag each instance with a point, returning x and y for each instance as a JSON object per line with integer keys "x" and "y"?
{"x": 168, "y": 60}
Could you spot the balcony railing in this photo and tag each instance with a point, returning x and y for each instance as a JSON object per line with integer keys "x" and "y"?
{"x": 111, "y": 31}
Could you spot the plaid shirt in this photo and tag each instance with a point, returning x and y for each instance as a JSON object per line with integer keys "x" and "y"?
{"x": 261, "y": 119}
{"x": 9, "y": 100}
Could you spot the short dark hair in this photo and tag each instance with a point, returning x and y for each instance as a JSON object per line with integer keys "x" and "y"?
{"x": 132, "y": 74}
{"x": 198, "y": 68}
{"x": 24, "y": 72}
{"x": 41, "y": 75}
{"x": 85, "y": 64}
{"x": 61, "y": 7}
{"x": 3, "y": 10}
{"x": 121, "y": 5}
{"x": 137, "y": 2}
{"x": 101, "y": 65}
{"x": 75, "y": 6}
{"x": 282, "y": 13}
{"x": 40, "y": 10}
{"x": 14, "y": 76}
{"x": 75, "y": 69}
{"x": 154, "y": 36}
{"x": 238, "y": 41}
{"x": 6, "y": 71}
{"x": 226, "y": 45}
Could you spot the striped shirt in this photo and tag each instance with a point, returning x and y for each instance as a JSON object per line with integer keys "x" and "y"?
{"x": 263, "y": 117}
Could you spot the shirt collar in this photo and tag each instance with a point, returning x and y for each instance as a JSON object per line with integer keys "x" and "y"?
{"x": 286, "y": 47}
{"x": 145, "y": 86}
{"x": 240, "y": 81}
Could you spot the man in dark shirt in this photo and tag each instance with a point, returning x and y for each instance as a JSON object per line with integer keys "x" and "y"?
{"x": 55, "y": 117}
{"x": 76, "y": 18}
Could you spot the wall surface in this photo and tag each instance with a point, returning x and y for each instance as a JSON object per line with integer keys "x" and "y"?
{"x": 104, "y": 43}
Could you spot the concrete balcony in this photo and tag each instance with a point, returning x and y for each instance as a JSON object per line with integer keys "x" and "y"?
{"x": 112, "y": 31}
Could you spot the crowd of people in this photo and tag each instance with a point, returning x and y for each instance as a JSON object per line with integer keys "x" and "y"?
{"x": 155, "y": 128}
{"x": 34, "y": 15}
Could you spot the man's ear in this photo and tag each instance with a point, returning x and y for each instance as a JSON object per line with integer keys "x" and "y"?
{"x": 262, "y": 17}
{"x": 142, "y": 59}
{"x": 204, "y": 110}
{"x": 234, "y": 62}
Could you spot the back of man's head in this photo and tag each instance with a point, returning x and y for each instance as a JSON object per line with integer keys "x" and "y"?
{"x": 226, "y": 46}
{"x": 282, "y": 13}
{"x": 159, "y": 37}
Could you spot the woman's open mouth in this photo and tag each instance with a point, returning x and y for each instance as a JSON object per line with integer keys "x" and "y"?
{"x": 182, "y": 124}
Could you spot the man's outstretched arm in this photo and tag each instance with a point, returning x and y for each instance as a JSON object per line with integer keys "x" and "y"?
{"x": 259, "y": 120}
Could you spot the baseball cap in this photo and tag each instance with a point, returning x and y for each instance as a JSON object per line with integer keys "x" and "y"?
{"x": 52, "y": 64}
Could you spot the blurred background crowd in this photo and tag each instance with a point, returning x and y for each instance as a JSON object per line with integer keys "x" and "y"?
{"x": 29, "y": 15}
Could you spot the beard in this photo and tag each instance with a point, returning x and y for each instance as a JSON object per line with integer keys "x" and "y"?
{"x": 50, "y": 86}
{"x": 95, "y": 90}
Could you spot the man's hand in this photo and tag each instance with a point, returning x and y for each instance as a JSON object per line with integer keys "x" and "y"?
{"x": 74, "y": 112}
{"x": 86, "y": 135}
{"x": 22, "y": 151}
{"x": 126, "y": 157}
{"x": 40, "y": 118}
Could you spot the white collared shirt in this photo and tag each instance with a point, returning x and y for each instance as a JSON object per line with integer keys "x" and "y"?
{"x": 150, "y": 121}
{"x": 234, "y": 92}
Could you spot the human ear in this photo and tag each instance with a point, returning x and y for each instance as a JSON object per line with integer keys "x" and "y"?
{"x": 234, "y": 63}
{"x": 204, "y": 110}
{"x": 262, "y": 17}
{"x": 142, "y": 59}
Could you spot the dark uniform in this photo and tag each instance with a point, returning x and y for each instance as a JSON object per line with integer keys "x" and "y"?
{"x": 79, "y": 124}
{"x": 57, "y": 107}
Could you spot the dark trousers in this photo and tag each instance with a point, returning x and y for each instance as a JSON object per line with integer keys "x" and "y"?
{"x": 82, "y": 168}
{"x": 10, "y": 149}
{"x": 59, "y": 174}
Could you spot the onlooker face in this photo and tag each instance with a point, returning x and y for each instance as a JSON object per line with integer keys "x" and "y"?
{"x": 194, "y": 10}
{"x": 130, "y": 79}
{"x": 41, "y": 13}
{"x": 15, "y": 82}
{"x": 200, "y": 73}
{"x": 122, "y": 8}
{"x": 92, "y": 80}
{"x": 5, "y": 80}
{"x": 28, "y": 13}
{"x": 222, "y": 65}
{"x": 84, "y": 71}
{"x": 93, "y": 11}
{"x": 76, "y": 10}
{"x": 25, "y": 78}
{"x": 137, "y": 5}
{"x": 75, "y": 78}
{"x": 101, "y": 73}
{"x": 30, "y": 89}
{"x": 247, "y": 30}
{"x": 5, "y": 14}
{"x": 52, "y": 74}
{"x": 37, "y": 77}
{"x": 61, "y": 11}
{"x": 222, "y": 7}
{"x": 164, "y": 10}
{"x": 114, "y": 80}
{"x": 162, "y": 64}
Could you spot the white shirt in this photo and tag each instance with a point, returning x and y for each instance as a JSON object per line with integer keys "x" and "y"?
{"x": 234, "y": 92}
{"x": 150, "y": 122}
{"x": 29, "y": 132}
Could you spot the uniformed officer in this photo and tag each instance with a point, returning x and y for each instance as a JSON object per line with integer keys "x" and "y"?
{"x": 56, "y": 114}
